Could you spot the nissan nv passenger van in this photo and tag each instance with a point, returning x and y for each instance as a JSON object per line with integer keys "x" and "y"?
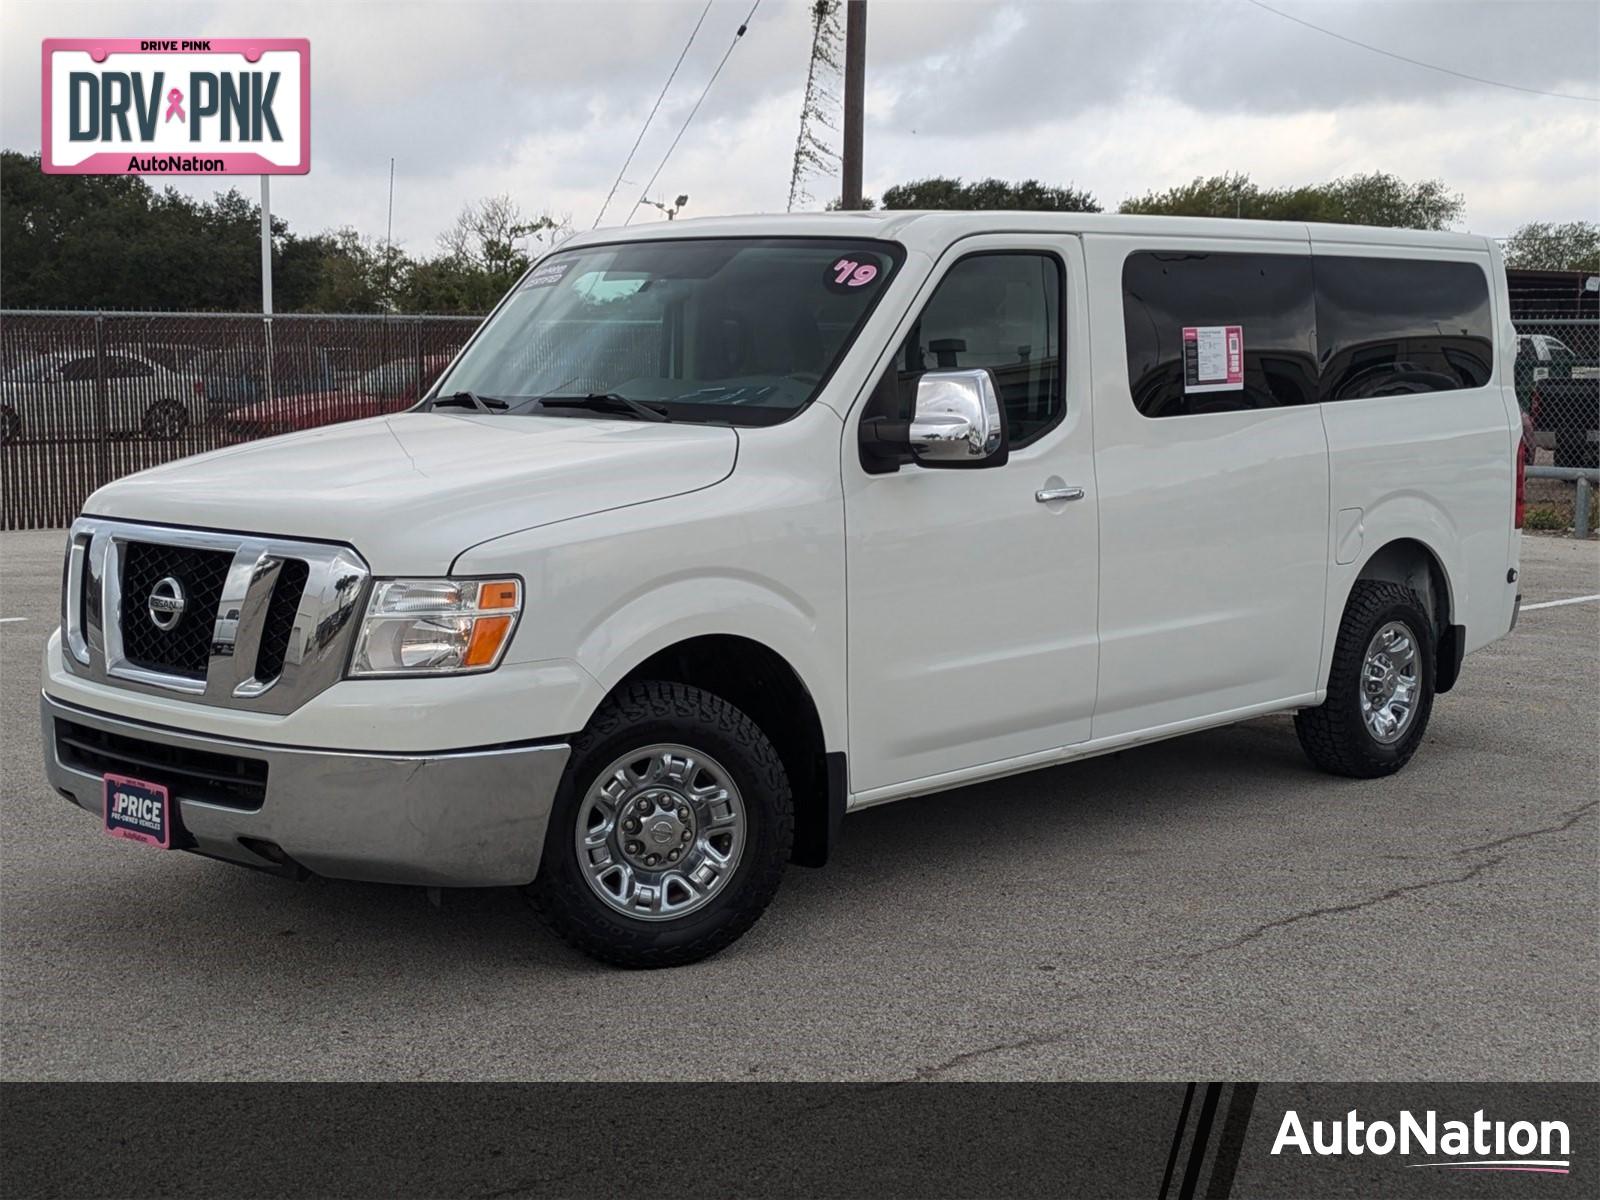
{"x": 718, "y": 530}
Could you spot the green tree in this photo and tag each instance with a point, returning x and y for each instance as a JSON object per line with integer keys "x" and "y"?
{"x": 1370, "y": 199}
{"x": 355, "y": 274}
{"x": 1029, "y": 195}
{"x": 112, "y": 241}
{"x": 1548, "y": 246}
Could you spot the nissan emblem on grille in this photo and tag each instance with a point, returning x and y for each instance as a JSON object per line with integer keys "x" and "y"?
{"x": 166, "y": 603}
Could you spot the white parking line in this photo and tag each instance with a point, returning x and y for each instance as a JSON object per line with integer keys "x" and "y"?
{"x": 8, "y": 620}
{"x": 1559, "y": 603}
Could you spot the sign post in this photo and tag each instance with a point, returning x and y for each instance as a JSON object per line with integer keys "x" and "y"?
{"x": 179, "y": 106}
{"x": 266, "y": 246}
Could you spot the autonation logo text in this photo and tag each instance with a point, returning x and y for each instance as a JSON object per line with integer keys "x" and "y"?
{"x": 1476, "y": 1145}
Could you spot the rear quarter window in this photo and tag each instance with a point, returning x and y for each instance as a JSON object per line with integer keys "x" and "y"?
{"x": 1394, "y": 327}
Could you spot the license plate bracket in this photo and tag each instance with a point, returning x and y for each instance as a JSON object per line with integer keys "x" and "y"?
{"x": 137, "y": 810}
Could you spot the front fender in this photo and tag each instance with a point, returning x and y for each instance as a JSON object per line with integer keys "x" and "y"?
{"x": 695, "y": 605}
{"x": 759, "y": 556}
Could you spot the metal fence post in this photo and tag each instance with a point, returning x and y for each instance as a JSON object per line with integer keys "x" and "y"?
{"x": 101, "y": 401}
{"x": 266, "y": 357}
{"x": 416, "y": 346}
{"x": 1580, "y": 509}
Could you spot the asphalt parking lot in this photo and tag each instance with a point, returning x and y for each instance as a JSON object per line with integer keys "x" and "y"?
{"x": 1206, "y": 907}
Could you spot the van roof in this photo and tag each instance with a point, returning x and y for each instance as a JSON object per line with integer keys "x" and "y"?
{"x": 932, "y": 231}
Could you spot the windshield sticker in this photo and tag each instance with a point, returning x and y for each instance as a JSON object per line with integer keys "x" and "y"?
{"x": 1213, "y": 358}
{"x": 548, "y": 274}
{"x": 851, "y": 275}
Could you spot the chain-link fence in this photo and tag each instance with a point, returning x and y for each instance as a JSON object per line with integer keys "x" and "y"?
{"x": 88, "y": 397}
{"x": 1558, "y": 386}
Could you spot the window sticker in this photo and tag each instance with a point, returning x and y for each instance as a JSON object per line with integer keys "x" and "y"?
{"x": 1213, "y": 358}
{"x": 852, "y": 275}
{"x": 548, "y": 274}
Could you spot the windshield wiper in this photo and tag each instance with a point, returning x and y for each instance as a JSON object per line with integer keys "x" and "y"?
{"x": 470, "y": 400}
{"x": 607, "y": 402}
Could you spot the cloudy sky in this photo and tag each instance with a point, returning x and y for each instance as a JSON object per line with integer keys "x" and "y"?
{"x": 543, "y": 100}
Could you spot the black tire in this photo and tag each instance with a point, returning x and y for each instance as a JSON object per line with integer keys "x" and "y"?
{"x": 165, "y": 421}
{"x": 640, "y": 715}
{"x": 1334, "y": 735}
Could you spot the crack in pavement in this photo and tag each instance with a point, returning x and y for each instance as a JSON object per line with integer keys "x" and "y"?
{"x": 1031, "y": 1042}
{"x": 1329, "y": 910}
{"x": 1050, "y": 1037}
{"x": 1567, "y": 821}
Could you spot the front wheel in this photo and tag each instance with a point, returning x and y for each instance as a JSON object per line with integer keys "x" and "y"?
{"x": 1380, "y": 686}
{"x": 670, "y": 831}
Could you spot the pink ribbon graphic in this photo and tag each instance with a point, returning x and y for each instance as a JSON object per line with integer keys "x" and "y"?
{"x": 175, "y": 105}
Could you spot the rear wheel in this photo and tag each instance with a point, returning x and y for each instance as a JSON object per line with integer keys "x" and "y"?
{"x": 670, "y": 832}
{"x": 1380, "y": 686}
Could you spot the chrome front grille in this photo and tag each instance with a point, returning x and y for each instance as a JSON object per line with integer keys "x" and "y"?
{"x": 184, "y": 648}
{"x": 227, "y": 619}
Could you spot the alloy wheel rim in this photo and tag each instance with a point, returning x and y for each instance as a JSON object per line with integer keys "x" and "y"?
{"x": 660, "y": 832}
{"x": 1389, "y": 683}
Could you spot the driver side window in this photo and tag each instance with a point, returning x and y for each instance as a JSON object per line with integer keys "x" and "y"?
{"x": 1000, "y": 311}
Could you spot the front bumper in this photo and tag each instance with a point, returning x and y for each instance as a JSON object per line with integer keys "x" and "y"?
{"x": 455, "y": 818}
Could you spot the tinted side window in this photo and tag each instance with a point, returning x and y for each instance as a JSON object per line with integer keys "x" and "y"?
{"x": 1392, "y": 327}
{"x": 1001, "y": 311}
{"x": 118, "y": 367}
{"x": 1267, "y": 295}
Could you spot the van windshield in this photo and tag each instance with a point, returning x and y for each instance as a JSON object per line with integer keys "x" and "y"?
{"x": 740, "y": 331}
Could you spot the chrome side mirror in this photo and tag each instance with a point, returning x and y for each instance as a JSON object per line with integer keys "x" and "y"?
{"x": 957, "y": 420}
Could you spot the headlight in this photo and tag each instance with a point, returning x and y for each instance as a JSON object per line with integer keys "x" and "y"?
{"x": 437, "y": 626}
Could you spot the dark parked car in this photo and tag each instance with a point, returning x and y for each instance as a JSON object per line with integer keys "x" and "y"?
{"x": 1569, "y": 408}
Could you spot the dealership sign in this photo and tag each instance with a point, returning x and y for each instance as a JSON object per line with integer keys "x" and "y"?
{"x": 208, "y": 106}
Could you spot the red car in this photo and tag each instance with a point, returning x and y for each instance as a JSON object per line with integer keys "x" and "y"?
{"x": 384, "y": 389}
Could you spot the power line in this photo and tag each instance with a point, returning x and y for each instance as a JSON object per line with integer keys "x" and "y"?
{"x": 739, "y": 33}
{"x": 684, "y": 54}
{"x": 1416, "y": 62}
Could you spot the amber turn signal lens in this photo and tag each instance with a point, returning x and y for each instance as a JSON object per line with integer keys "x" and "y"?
{"x": 497, "y": 593}
{"x": 487, "y": 634}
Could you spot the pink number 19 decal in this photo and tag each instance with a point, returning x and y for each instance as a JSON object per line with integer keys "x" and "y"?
{"x": 853, "y": 274}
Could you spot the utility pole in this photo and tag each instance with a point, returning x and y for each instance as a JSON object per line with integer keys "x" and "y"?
{"x": 855, "y": 82}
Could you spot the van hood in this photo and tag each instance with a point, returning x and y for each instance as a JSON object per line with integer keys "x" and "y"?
{"x": 414, "y": 490}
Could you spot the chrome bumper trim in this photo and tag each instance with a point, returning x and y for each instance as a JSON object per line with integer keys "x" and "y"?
{"x": 472, "y": 818}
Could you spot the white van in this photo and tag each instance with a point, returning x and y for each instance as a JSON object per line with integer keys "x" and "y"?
{"x": 717, "y": 530}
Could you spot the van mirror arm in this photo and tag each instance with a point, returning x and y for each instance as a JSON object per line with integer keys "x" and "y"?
{"x": 885, "y": 444}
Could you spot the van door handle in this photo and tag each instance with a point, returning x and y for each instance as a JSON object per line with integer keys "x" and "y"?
{"x": 1047, "y": 495}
